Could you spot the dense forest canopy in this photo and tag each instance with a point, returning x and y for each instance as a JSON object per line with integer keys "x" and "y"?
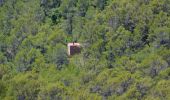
{"x": 125, "y": 54}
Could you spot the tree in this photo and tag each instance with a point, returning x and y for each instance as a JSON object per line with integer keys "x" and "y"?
{"x": 57, "y": 55}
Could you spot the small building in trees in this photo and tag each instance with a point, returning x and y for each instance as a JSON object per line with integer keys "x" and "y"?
{"x": 73, "y": 48}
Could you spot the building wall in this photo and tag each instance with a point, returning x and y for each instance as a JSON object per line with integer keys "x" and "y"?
{"x": 74, "y": 50}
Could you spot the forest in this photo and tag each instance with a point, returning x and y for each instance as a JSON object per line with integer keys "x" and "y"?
{"x": 125, "y": 52}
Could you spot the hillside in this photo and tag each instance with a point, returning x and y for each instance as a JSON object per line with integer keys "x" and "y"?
{"x": 125, "y": 50}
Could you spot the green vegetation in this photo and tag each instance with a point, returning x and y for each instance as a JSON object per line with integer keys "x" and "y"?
{"x": 125, "y": 55}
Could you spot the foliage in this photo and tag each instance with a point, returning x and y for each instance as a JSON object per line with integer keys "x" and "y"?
{"x": 125, "y": 49}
